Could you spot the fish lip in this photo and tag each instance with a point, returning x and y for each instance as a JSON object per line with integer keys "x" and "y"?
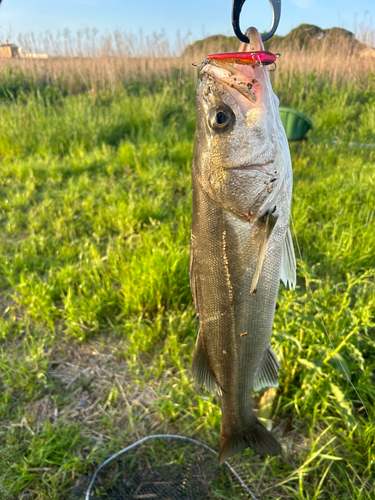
{"x": 254, "y": 166}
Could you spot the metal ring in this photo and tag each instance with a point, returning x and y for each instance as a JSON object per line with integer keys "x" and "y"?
{"x": 236, "y": 11}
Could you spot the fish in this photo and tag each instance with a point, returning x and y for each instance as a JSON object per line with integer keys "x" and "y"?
{"x": 241, "y": 244}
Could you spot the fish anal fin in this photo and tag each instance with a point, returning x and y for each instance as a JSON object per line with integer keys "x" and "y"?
{"x": 288, "y": 262}
{"x": 201, "y": 370}
{"x": 256, "y": 436}
{"x": 267, "y": 374}
{"x": 269, "y": 223}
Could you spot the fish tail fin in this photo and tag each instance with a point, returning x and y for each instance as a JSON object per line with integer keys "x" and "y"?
{"x": 256, "y": 436}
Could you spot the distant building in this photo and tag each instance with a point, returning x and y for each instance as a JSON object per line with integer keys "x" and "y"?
{"x": 33, "y": 56}
{"x": 9, "y": 50}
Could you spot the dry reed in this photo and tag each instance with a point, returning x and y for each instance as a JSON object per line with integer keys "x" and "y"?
{"x": 86, "y": 62}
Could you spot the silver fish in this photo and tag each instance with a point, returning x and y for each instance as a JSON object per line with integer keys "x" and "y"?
{"x": 241, "y": 244}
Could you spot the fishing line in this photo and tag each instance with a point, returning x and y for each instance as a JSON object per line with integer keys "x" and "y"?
{"x": 335, "y": 355}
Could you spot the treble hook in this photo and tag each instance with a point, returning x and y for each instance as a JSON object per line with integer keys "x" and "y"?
{"x": 236, "y": 11}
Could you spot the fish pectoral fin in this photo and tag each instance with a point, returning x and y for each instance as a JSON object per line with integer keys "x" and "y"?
{"x": 288, "y": 262}
{"x": 269, "y": 223}
{"x": 201, "y": 370}
{"x": 255, "y": 435}
{"x": 267, "y": 374}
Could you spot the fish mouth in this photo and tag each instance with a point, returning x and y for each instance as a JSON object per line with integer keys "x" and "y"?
{"x": 235, "y": 81}
{"x": 261, "y": 167}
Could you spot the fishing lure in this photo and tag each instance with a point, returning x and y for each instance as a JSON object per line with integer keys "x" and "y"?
{"x": 259, "y": 57}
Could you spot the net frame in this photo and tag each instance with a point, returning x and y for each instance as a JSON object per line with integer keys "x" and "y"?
{"x": 165, "y": 436}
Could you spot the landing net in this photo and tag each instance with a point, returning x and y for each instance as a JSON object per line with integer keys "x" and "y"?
{"x": 163, "y": 467}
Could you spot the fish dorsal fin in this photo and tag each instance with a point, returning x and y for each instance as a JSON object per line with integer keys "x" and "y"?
{"x": 269, "y": 223}
{"x": 288, "y": 262}
{"x": 201, "y": 370}
{"x": 267, "y": 374}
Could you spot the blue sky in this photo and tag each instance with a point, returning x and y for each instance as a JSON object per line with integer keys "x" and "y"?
{"x": 199, "y": 17}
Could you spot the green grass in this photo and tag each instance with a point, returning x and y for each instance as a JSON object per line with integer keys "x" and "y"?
{"x": 98, "y": 327}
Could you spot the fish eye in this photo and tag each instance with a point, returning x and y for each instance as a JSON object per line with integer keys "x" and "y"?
{"x": 221, "y": 118}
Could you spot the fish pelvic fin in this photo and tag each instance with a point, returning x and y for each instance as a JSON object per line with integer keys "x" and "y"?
{"x": 267, "y": 374}
{"x": 288, "y": 262}
{"x": 256, "y": 436}
{"x": 201, "y": 370}
{"x": 269, "y": 223}
{"x": 192, "y": 275}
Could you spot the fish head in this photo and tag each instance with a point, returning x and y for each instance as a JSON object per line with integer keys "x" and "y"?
{"x": 236, "y": 148}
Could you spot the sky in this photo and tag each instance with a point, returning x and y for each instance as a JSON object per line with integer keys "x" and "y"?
{"x": 197, "y": 17}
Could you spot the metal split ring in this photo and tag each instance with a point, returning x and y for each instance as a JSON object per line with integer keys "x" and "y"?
{"x": 236, "y": 11}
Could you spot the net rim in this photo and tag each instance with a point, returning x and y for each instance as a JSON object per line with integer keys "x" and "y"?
{"x": 164, "y": 436}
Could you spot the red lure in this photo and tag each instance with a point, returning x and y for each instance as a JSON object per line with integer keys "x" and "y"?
{"x": 260, "y": 57}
